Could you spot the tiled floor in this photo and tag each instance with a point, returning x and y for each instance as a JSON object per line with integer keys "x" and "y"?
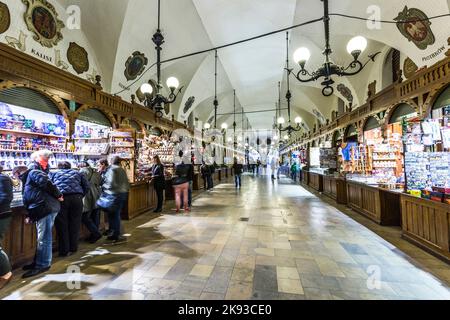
{"x": 295, "y": 245}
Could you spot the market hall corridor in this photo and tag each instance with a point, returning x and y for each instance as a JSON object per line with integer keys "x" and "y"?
{"x": 266, "y": 241}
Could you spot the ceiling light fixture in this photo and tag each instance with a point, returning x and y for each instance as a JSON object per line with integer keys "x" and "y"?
{"x": 289, "y": 129}
{"x": 355, "y": 47}
{"x": 152, "y": 90}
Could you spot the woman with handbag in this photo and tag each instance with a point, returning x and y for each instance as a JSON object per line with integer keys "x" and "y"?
{"x": 116, "y": 187}
{"x": 159, "y": 182}
{"x": 180, "y": 182}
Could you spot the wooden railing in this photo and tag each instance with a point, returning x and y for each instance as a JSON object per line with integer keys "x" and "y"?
{"x": 421, "y": 82}
{"x": 23, "y": 69}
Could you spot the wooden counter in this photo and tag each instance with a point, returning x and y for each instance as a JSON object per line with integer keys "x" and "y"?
{"x": 304, "y": 177}
{"x": 198, "y": 182}
{"x": 315, "y": 181}
{"x": 379, "y": 205}
{"x": 335, "y": 188}
{"x": 426, "y": 223}
{"x": 142, "y": 198}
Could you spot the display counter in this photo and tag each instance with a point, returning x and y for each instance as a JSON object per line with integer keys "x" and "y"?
{"x": 142, "y": 198}
{"x": 304, "y": 177}
{"x": 378, "y": 204}
{"x": 198, "y": 182}
{"x": 315, "y": 181}
{"x": 335, "y": 188}
{"x": 426, "y": 223}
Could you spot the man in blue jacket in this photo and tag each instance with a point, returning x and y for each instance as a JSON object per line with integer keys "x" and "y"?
{"x": 42, "y": 200}
{"x": 74, "y": 186}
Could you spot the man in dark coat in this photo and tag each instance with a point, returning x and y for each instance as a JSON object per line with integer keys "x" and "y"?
{"x": 74, "y": 186}
{"x": 42, "y": 200}
{"x": 6, "y": 196}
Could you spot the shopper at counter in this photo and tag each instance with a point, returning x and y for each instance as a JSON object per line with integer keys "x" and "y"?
{"x": 41, "y": 198}
{"x": 207, "y": 176}
{"x": 74, "y": 186}
{"x": 91, "y": 212}
{"x": 180, "y": 183}
{"x": 116, "y": 187}
{"x": 102, "y": 167}
{"x": 159, "y": 182}
{"x": 6, "y": 197}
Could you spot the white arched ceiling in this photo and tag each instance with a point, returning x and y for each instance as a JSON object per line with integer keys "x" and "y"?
{"x": 117, "y": 28}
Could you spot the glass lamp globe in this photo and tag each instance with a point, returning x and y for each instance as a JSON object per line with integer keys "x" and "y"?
{"x": 239, "y": 139}
{"x": 357, "y": 44}
{"x": 207, "y": 126}
{"x": 275, "y": 138}
{"x": 286, "y": 137}
{"x": 230, "y": 140}
{"x": 302, "y": 55}
{"x": 224, "y": 126}
{"x": 298, "y": 120}
{"x": 146, "y": 88}
{"x": 280, "y": 120}
{"x": 172, "y": 83}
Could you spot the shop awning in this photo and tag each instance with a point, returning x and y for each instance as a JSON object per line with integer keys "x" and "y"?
{"x": 28, "y": 98}
{"x": 443, "y": 100}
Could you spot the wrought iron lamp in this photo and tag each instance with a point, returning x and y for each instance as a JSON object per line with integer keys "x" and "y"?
{"x": 289, "y": 129}
{"x": 355, "y": 47}
{"x": 154, "y": 99}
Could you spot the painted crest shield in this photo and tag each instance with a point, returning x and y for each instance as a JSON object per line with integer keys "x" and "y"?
{"x": 414, "y": 25}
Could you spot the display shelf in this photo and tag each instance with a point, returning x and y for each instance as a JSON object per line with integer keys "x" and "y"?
{"x": 32, "y": 133}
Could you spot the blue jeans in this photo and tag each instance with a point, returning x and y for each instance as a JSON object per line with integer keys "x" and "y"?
{"x": 114, "y": 216}
{"x": 237, "y": 180}
{"x": 210, "y": 183}
{"x": 44, "y": 248}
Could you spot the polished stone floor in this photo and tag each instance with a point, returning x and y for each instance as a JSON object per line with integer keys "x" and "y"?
{"x": 266, "y": 241}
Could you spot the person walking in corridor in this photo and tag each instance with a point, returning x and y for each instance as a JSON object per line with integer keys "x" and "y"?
{"x": 41, "y": 199}
{"x": 180, "y": 182}
{"x": 294, "y": 171}
{"x": 206, "y": 174}
{"x": 238, "y": 168}
{"x": 74, "y": 186}
{"x": 91, "y": 212}
{"x": 159, "y": 182}
{"x": 116, "y": 187}
{"x": 6, "y": 197}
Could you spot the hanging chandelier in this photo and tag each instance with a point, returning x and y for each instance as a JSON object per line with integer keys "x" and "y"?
{"x": 355, "y": 47}
{"x": 154, "y": 99}
{"x": 289, "y": 129}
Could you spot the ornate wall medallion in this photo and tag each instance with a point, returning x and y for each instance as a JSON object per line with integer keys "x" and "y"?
{"x": 188, "y": 104}
{"x": 42, "y": 19}
{"x": 409, "y": 68}
{"x": 414, "y": 28}
{"x": 319, "y": 116}
{"x": 78, "y": 58}
{"x": 5, "y": 17}
{"x": 135, "y": 65}
{"x": 346, "y": 92}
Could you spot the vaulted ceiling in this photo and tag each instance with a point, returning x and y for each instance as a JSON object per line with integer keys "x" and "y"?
{"x": 117, "y": 28}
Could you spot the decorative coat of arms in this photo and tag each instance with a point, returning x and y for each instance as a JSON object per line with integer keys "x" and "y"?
{"x": 5, "y": 17}
{"x": 135, "y": 65}
{"x": 409, "y": 68}
{"x": 415, "y": 26}
{"x": 42, "y": 19}
{"x": 78, "y": 58}
{"x": 188, "y": 104}
{"x": 345, "y": 91}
